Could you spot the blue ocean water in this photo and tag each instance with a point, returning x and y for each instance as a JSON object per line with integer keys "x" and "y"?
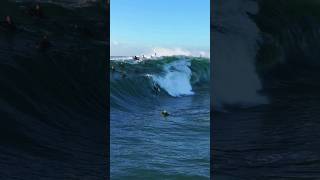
{"x": 146, "y": 145}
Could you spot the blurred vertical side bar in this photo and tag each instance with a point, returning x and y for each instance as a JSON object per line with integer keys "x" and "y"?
{"x": 211, "y": 84}
{"x": 108, "y": 89}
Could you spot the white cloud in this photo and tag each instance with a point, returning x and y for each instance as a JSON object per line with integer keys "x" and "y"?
{"x": 204, "y": 53}
{"x": 177, "y": 51}
{"x": 171, "y": 52}
{"x": 126, "y": 49}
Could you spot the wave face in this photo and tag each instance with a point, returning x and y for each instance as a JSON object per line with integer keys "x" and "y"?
{"x": 166, "y": 76}
{"x": 279, "y": 59}
{"x": 53, "y": 103}
{"x": 235, "y": 36}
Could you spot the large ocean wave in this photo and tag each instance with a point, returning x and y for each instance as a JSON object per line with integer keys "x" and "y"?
{"x": 235, "y": 80}
{"x": 262, "y": 45}
{"x": 166, "y": 76}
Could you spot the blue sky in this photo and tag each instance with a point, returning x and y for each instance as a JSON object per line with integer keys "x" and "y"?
{"x": 139, "y": 26}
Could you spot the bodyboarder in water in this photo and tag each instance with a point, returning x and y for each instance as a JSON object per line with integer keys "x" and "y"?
{"x": 8, "y": 24}
{"x": 136, "y": 58}
{"x": 113, "y": 69}
{"x": 36, "y": 11}
{"x": 165, "y": 113}
{"x": 156, "y": 88}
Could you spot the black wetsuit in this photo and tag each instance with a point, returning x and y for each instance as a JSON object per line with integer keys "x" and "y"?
{"x": 156, "y": 88}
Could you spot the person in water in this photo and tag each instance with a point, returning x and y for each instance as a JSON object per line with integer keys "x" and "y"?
{"x": 164, "y": 113}
{"x": 135, "y": 58}
{"x": 8, "y": 24}
{"x": 122, "y": 66}
{"x": 113, "y": 69}
{"x": 156, "y": 88}
{"x": 36, "y": 11}
{"x": 44, "y": 44}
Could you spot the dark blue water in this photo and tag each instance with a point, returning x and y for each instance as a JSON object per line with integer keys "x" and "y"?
{"x": 53, "y": 104}
{"x": 267, "y": 126}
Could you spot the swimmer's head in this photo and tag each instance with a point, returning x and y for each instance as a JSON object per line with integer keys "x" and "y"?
{"x": 8, "y": 19}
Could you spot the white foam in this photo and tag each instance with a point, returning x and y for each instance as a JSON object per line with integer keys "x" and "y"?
{"x": 176, "y": 79}
{"x": 120, "y": 58}
{"x": 160, "y": 52}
